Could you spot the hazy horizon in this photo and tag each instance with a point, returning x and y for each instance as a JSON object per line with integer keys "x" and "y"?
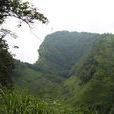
{"x": 94, "y": 16}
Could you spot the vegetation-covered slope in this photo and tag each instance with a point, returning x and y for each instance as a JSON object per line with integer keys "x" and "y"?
{"x": 92, "y": 85}
{"x": 38, "y": 83}
{"x": 75, "y": 67}
{"x": 57, "y": 54}
{"x": 61, "y": 50}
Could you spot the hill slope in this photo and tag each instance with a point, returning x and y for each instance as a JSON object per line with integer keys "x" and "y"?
{"x": 57, "y": 54}
{"x": 92, "y": 84}
{"x": 75, "y": 67}
{"x": 61, "y": 50}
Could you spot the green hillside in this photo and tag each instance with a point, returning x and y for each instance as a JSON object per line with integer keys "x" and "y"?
{"x": 92, "y": 85}
{"x": 74, "y": 67}
{"x": 38, "y": 83}
{"x": 57, "y": 54}
{"x": 61, "y": 50}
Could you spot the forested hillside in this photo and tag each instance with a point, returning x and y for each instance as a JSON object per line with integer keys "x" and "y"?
{"x": 58, "y": 53}
{"x": 91, "y": 85}
{"x": 61, "y": 50}
{"x": 76, "y": 68}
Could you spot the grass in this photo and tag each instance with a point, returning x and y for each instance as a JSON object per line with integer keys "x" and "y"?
{"x": 18, "y": 102}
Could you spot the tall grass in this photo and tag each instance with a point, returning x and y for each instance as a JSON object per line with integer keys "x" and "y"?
{"x": 17, "y": 102}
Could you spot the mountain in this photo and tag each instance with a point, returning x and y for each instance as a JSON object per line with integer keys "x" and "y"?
{"x": 61, "y": 50}
{"x": 74, "y": 67}
{"x": 57, "y": 54}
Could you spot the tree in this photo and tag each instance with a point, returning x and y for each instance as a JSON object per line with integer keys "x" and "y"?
{"x": 20, "y": 10}
{"x": 24, "y": 12}
{"x": 6, "y": 61}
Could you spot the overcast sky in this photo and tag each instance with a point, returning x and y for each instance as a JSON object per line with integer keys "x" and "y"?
{"x": 72, "y": 15}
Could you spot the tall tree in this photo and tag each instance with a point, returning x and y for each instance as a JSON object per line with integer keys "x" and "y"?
{"x": 24, "y": 12}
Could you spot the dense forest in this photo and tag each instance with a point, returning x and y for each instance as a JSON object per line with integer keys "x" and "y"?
{"x": 73, "y": 75}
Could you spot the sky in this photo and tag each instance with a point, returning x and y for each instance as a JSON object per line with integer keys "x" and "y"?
{"x": 73, "y": 15}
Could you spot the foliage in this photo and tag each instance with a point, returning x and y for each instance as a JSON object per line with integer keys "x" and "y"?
{"x": 6, "y": 62}
{"x": 21, "y": 10}
{"x": 37, "y": 82}
{"x": 24, "y": 12}
{"x": 96, "y": 77}
{"x": 16, "y": 102}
